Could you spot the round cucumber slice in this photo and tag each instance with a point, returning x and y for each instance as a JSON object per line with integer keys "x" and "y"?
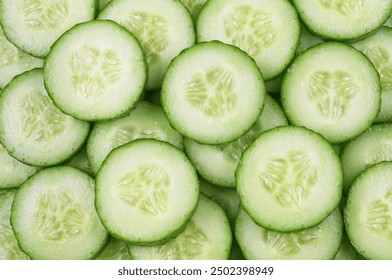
{"x": 368, "y": 212}
{"x": 145, "y": 121}
{"x": 115, "y": 250}
{"x": 320, "y": 242}
{"x": 268, "y": 30}
{"x": 34, "y": 25}
{"x": 213, "y": 93}
{"x": 53, "y": 216}
{"x": 146, "y": 191}
{"x": 163, "y": 27}
{"x": 207, "y": 236}
{"x": 32, "y": 128}
{"x": 333, "y": 89}
{"x": 96, "y": 71}
{"x": 282, "y": 176}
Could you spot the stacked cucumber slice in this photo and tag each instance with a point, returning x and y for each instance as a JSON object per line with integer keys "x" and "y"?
{"x": 194, "y": 129}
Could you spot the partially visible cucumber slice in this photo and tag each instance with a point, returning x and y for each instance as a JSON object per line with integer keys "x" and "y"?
{"x": 32, "y": 128}
{"x": 320, "y": 242}
{"x": 81, "y": 162}
{"x": 115, "y": 250}
{"x": 53, "y": 215}
{"x": 194, "y": 7}
{"x": 207, "y": 236}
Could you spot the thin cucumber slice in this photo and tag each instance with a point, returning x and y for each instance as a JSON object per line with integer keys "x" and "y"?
{"x": 343, "y": 19}
{"x": 320, "y": 242}
{"x": 282, "y": 176}
{"x": 32, "y": 128}
{"x": 371, "y": 147}
{"x": 268, "y": 30}
{"x": 368, "y": 212}
{"x": 194, "y": 7}
{"x": 34, "y": 25}
{"x": 96, "y": 71}
{"x": 388, "y": 22}
{"x": 377, "y": 47}
{"x": 163, "y": 27}
{"x": 102, "y": 4}
{"x": 346, "y": 250}
{"x": 146, "y": 191}
{"x": 12, "y": 172}
{"x": 333, "y": 89}
{"x": 81, "y": 162}
{"x": 9, "y": 248}
{"x": 145, "y": 121}
{"x": 53, "y": 215}
{"x": 13, "y": 61}
{"x": 218, "y": 163}
{"x": 115, "y": 250}
{"x": 213, "y": 93}
{"x": 207, "y": 236}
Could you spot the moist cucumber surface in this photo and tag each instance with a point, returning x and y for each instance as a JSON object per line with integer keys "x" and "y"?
{"x": 207, "y": 236}
{"x": 163, "y": 27}
{"x": 368, "y": 210}
{"x": 53, "y": 215}
{"x": 154, "y": 187}
{"x": 268, "y": 30}
{"x": 32, "y": 129}
{"x": 213, "y": 93}
{"x": 333, "y": 89}
{"x": 282, "y": 176}
{"x": 145, "y": 121}
{"x": 343, "y": 19}
{"x": 320, "y": 242}
{"x": 96, "y": 71}
{"x": 34, "y": 25}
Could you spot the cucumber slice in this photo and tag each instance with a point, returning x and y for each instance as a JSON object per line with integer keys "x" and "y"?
{"x": 13, "y": 61}
{"x": 207, "y": 236}
{"x": 213, "y": 93}
{"x": 145, "y": 121}
{"x": 34, "y": 25}
{"x": 115, "y": 250}
{"x": 218, "y": 163}
{"x": 371, "y": 147}
{"x": 9, "y": 248}
{"x": 268, "y": 30}
{"x": 12, "y": 172}
{"x": 320, "y": 242}
{"x": 81, "y": 162}
{"x": 377, "y": 47}
{"x": 53, "y": 215}
{"x": 194, "y": 7}
{"x": 343, "y": 19}
{"x": 346, "y": 250}
{"x": 368, "y": 212}
{"x": 333, "y": 89}
{"x": 32, "y": 128}
{"x": 388, "y": 22}
{"x": 96, "y": 71}
{"x": 102, "y": 4}
{"x": 163, "y": 27}
{"x": 282, "y": 176}
{"x": 146, "y": 191}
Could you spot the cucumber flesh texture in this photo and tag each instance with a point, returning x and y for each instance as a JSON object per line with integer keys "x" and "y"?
{"x": 9, "y": 249}
{"x": 268, "y": 30}
{"x": 282, "y": 176}
{"x": 213, "y": 93}
{"x": 33, "y": 129}
{"x": 368, "y": 211}
{"x": 81, "y": 162}
{"x": 218, "y": 163}
{"x": 115, "y": 250}
{"x": 154, "y": 187}
{"x": 13, "y": 61}
{"x": 320, "y": 242}
{"x": 377, "y": 47}
{"x": 34, "y": 25}
{"x": 53, "y": 215}
{"x": 98, "y": 78}
{"x": 351, "y": 18}
{"x": 163, "y": 27}
{"x": 145, "y": 121}
{"x": 13, "y": 172}
{"x": 333, "y": 89}
{"x": 371, "y": 147}
{"x": 207, "y": 236}
{"x": 194, "y": 7}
